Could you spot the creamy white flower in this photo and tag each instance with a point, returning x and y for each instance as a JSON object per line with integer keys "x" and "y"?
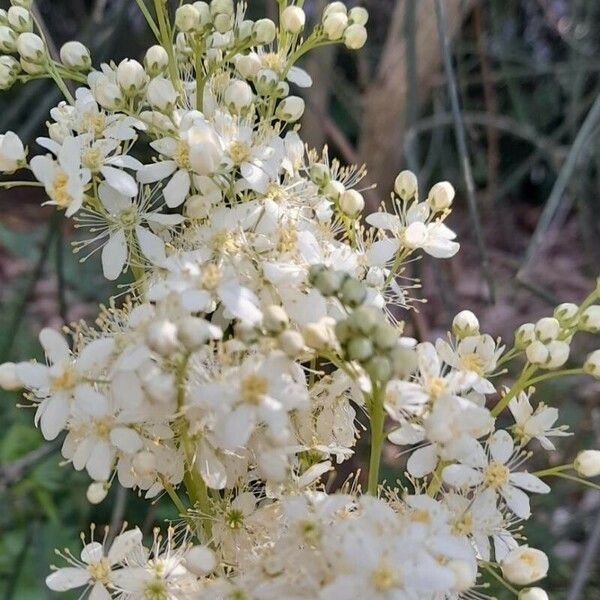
{"x": 12, "y": 152}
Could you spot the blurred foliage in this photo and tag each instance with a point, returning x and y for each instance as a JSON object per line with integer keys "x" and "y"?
{"x": 528, "y": 76}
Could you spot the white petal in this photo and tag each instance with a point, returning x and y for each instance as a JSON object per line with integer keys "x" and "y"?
{"x": 501, "y": 446}
{"x": 151, "y": 245}
{"x": 55, "y": 345}
{"x": 121, "y": 181}
{"x": 178, "y": 188}
{"x": 529, "y": 482}
{"x": 383, "y": 220}
{"x": 94, "y": 357}
{"x": 90, "y": 401}
{"x": 211, "y": 468}
{"x": 114, "y": 255}
{"x": 461, "y": 476}
{"x": 92, "y": 552}
{"x": 99, "y": 592}
{"x": 67, "y": 579}
{"x": 99, "y": 464}
{"x": 114, "y": 202}
{"x": 54, "y": 418}
{"x": 33, "y": 375}
{"x": 236, "y": 428}
{"x": 240, "y": 302}
{"x": 124, "y": 545}
{"x": 300, "y": 77}
{"x": 382, "y": 252}
{"x": 517, "y": 501}
{"x": 126, "y": 439}
{"x": 156, "y": 171}
{"x": 422, "y": 461}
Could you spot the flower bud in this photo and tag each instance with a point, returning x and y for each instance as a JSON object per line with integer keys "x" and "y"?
{"x": 465, "y": 323}
{"x": 558, "y": 354}
{"x": 352, "y": 203}
{"x": 334, "y": 190}
{"x": 131, "y": 76}
{"x": 200, "y": 561}
{"x": 406, "y": 185}
{"x": 404, "y": 357}
{"x": 355, "y": 37}
{"x": 223, "y": 23}
{"x": 592, "y": 364}
{"x": 31, "y": 47}
{"x": 8, "y": 39}
{"x": 320, "y": 335}
{"x": 275, "y": 319}
{"x": 264, "y": 31}
{"x": 537, "y": 353}
{"x": 379, "y": 368}
{"x": 156, "y": 60}
{"x": 441, "y": 196}
{"x": 328, "y": 282}
{"x": 353, "y": 292}
{"x": 248, "y": 65}
{"x": 194, "y": 332}
{"x": 3, "y": 17}
{"x": 96, "y": 492}
{"x": 290, "y": 109}
{"x": 293, "y": 19}
{"x": 238, "y": 96}
{"x": 187, "y": 18}
{"x": 534, "y": 593}
{"x": 566, "y": 312}
{"x": 9, "y": 71}
{"x": 221, "y": 7}
{"x": 385, "y": 337}
{"x": 319, "y": 174}
{"x": 19, "y": 18}
{"x": 524, "y": 335}
{"x": 587, "y": 463}
{"x": 358, "y": 15}
{"x": 32, "y": 68}
{"x": 9, "y": 380}
{"x": 547, "y": 329}
{"x": 24, "y": 3}
{"x": 291, "y": 342}
{"x": 12, "y": 152}
{"x": 360, "y": 349}
{"x": 524, "y": 565}
{"x": 161, "y": 337}
{"x": 335, "y": 25}
{"x": 75, "y": 56}
{"x": 161, "y": 94}
{"x": 590, "y": 319}
{"x": 266, "y": 82}
{"x": 204, "y": 12}
{"x": 334, "y": 7}
{"x": 107, "y": 94}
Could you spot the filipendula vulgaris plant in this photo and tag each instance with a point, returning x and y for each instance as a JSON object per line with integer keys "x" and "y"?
{"x": 260, "y": 331}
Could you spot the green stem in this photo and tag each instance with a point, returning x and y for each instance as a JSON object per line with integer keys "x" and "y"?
{"x": 144, "y": 10}
{"x": 167, "y": 42}
{"x": 174, "y": 498}
{"x": 497, "y": 577}
{"x": 7, "y": 185}
{"x": 585, "y": 482}
{"x": 553, "y": 374}
{"x": 553, "y": 470}
{"x": 519, "y": 386}
{"x": 377, "y": 418}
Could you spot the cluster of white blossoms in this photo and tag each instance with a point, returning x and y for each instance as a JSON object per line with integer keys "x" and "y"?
{"x": 262, "y": 334}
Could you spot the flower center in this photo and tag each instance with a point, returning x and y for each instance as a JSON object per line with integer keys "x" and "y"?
{"x": 102, "y": 428}
{"x": 100, "y": 571}
{"x": 234, "y": 518}
{"x": 254, "y": 388}
{"x": 64, "y": 380}
{"x": 92, "y": 159}
{"x": 239, "y": 152}
{"x": 288, "y": 238}
{"x": 273, "y": 61}
{"x": 182, "y": 155}
{"x": 156, "y": 590}
{"x": 225, "y": 242}
{"x": 436, "y": 387}
{"x": 384, "y": 577}
{"x": 496, "y": 475}
{"x": 464, "y": 525}
{"x": 210, "y": 276}
{"x": 93, "y": 122}
{"x": 59, "y": 190}
{"x": 420, "y": 516}
{"x": 128, "y": 217}
{"x": 472, "y": 362}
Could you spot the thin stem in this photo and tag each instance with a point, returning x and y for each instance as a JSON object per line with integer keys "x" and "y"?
{"x": 174, "y": 497}
{"x": 553, "y": 374}
{"x": 9, "y": 185}
{"x": 585, "y": 482}
{"x": 552, "y": 470}
{"x": 377, "y": 418}
{"x": 519, "y": 386}
{"x": 166, "y": 41}
{"x": 144, "y": 10}
{"x": 497, "y": 577}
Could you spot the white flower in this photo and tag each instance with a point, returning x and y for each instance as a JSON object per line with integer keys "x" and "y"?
{"x": 95, "y": 569}
{"x": 122, "y": 232}
{"x": 64, "y": 179}
{"x": 524, "y": 565}
{"x": 12, "y": 152}
{"x": 538, "y": 424}
{"x": 497, "y": 472}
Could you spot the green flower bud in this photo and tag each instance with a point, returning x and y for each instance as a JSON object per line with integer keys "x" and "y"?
{"x": 385, "y": 336}
{"x": 359, "y": 349}
{"x": 379, "y": 368}
{"x": 329, "y": 282}
{"x": 352, "y": 292}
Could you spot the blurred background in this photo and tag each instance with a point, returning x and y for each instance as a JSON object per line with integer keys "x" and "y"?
{"x": 507, "y": 109}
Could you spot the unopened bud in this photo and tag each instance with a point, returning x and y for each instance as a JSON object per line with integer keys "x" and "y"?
{"x": 353, "y": 292}
{"x": 156, "y": 60}
{"x": 587, "y": 463}
{"x": 8, "y": 39}
{"x": 293, "y": 19}
{"x": 352, "y": 203}
{"x": 558, "y": 354}
{"x": 161, "y": 94}
{"x": 31, "y": 47}
{"x": 360, "y": 349}
{"x": 537, "y": 353}
{"x": 465, "y": 324}
{"x": 161, "y": 337}
{"x": 319, "y": 174}
{"x": 406, "y": 185}
{"x": 358, "y": 15}
{"x": 200, "y": 561}
{"x": 524, "y": 565}
{"x": 19, "y": 18}
{"x": 320, "y": 335}
{"x": 238, "y": 95}
{"x": 333, "y": 8}
{"x": 547, "y": 329}
{"x": 275, "y": 319}
{"x": 75, "y": 56}
{"x": 565, "y": 313}
{"x": 534, "y": 593}
{"x": 590, "y": 319}
{"x": 291, "y": 342}
{"x": 441, "y": 196}
{"x": 355, "y": 37}
{"x": 194, "y": 332}
{"x": 334, "y": 25}
{"x": 264, "y": 31}
{"x": 592, "y": 364}
{"x": 9, "y": 379}
{"x": 187, "y": 18}
{"x": 131, "y": 76}
{"x": 524, "y": 335}
{"x": 221, "y": 7}
{"x": 334, "y": 190}
{"x": 96, "y": 492}
{"x": 291, "y": 109}
{"x": 379, "y": 368}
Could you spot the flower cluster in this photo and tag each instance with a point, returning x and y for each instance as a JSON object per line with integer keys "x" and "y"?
{"x": 262, "y": 325}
